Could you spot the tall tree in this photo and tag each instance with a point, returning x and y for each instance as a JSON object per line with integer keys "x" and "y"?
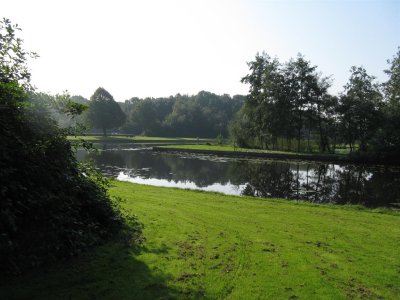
{"x": 265, "y": 92}
{"x": 321, "y": 113}
{"x": 388, "y": 141}
{"x": 104, "y": 112}
{"x": 361, "y": 107}
{"x": 285, "y": 101}
{"x": 306, "y": 91}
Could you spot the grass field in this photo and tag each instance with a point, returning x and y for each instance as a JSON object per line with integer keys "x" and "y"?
{"x": 133, "y": 139}
{"x": 230, "y": 148}
{"x": 211, "y": 246}
{"x": 225, "y": 148}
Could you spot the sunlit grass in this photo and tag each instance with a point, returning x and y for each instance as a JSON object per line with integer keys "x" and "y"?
{"x": 122, "y": 138}
{"x": 225, "y": 147}
{"x": 231, "y": 148}
{"x": 213, "y": 246}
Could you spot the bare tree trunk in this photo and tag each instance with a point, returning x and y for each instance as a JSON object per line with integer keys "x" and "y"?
{"x": 299, "y": 132}
{"x": 298, "y": 142}
{"x": 298, "y": 180}
{"x": 321, "y": 137}
{"x": 334, "y": 141}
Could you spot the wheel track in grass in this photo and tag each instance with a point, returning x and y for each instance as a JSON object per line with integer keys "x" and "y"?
{"x": 238, "y": 260}
{"x": 227, "y": 291}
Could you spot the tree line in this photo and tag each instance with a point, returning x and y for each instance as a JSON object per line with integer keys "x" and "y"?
{"x": 289, "y": 108}
{"x": 202, "y": 115}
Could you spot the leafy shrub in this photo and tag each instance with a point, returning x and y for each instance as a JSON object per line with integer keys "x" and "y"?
{"x": 50, "y": 207}
{"x": 219, "y": 140}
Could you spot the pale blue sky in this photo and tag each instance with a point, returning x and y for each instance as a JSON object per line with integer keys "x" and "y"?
{"x": 163, "y": 47}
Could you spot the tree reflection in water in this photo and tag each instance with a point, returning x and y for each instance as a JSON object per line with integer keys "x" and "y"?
{"x": 316, "y": 182}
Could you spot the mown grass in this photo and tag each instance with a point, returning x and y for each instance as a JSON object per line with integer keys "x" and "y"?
{"x": 203, "y": 245}
{"x": 230, "y": 148}
{"x": 124, "y": 139}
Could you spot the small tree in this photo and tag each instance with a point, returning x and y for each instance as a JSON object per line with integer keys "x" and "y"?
{"x": 104, "y": 112}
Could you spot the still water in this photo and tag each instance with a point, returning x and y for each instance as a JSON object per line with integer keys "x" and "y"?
{"x": 371, "y": 186}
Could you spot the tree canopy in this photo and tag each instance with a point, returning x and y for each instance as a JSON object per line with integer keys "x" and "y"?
{"x": 285, "y": 101}
{"x": 203, "y": 115}
{"x": 360, "y": 108}
{"x": 290, "y": 102}
{"x": 104, "y": 112}
{"x": 387, "y": 138}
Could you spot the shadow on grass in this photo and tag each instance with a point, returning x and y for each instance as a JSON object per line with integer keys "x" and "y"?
{"x": 109, "y": 272}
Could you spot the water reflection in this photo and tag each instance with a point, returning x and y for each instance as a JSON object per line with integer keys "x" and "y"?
{"x": 317, "y": 182}
{"x": 228, "y": 188}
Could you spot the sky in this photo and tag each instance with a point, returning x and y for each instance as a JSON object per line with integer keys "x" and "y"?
{"x": 158, "y": 48}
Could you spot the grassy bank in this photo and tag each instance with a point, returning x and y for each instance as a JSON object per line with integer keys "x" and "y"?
{"x": 132, "y": 139}
{"x": 229, "y": 150}
{"x": 213, "y": 246}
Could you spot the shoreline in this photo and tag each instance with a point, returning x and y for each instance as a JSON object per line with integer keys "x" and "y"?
{"x": 134, "y": 139}
{"x": 322, "y": 157}
{"x": 243, "y": 154}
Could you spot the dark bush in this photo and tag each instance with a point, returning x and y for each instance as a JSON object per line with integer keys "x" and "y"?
{"x": 49, "y": 207}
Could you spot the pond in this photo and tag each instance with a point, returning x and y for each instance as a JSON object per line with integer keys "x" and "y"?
{"x": 320, "y": 182}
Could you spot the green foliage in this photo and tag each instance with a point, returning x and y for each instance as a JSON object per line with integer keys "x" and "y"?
{"x": 69, "y": 112}
{"x": 219, "y": 140}
{"x": 13, "y": 58}
{"x": 360, "y": 108}
{"x": 202, "y": 115}
{"x": 143, "y": 119}
{"x": 104, "y": 112}
{"x": 392, "y": 86}
{"x": 290, "y": 102}
{"x": 386, "y": 142}
{"x": 285, "y": 101}
{"x": 50, "y": 206}
{"x": 241, "y": 128}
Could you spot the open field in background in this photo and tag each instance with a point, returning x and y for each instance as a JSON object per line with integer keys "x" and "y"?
{"x": 340, "y": 148}
{"x": 210, "y": 145}
{"x": 203, "y": 245}
{"x": 230, "y": 148}
{"x": 133, "y": 139}
{"x": 235, "y": 151}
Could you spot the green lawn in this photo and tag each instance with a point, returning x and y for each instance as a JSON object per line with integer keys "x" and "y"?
{"x": 124, "y": 139}
{"x": 211, "y": 246}
{"x": 230, "y": 148}
{"x": 224, "y": 148}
